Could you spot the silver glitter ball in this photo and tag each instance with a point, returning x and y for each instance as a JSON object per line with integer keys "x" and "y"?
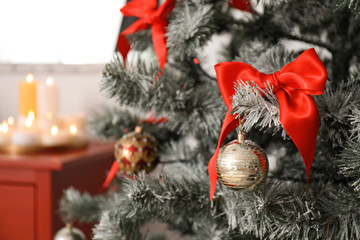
{"x": 69, "y": 233}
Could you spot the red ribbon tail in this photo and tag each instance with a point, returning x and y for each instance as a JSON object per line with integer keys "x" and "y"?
{"x": 123, "y": 46}
{"x": 302, "y": 128}
{"x": 159, "y": 42}
{"x": 212, "y": 173}
{"x": 110, "y": 176}
{"x": 165, "y": 8}
{"x": 229, "y": 124}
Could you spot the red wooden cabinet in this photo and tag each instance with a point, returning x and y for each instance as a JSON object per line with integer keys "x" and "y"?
{"x": 32, "y": 185}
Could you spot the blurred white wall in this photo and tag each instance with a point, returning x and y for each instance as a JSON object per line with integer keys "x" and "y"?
{"x": 68, "y": 40}
{"x": 58, "y": 31}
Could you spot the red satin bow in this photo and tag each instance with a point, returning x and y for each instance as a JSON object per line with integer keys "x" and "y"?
{"x": 149, "y": 16}
{"x": 293, "y": 86}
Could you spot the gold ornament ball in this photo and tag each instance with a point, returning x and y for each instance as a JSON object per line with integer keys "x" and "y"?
{"x": 242, "y": 164}
{"x": 136, "y": 151}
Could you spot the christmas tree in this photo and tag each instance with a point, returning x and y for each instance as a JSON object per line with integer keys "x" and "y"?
{"x": 166, "y": 81}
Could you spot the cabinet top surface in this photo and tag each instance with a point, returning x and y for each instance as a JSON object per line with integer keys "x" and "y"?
{"x": 57, "y": 160}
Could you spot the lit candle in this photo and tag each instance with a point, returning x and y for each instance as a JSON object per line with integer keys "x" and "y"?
{"x": 5, "y": 138}
{"x": 11, "y": 124}
{"x": 27, "y": 133}
{"x": 27, "y": 95}
{"x": 27, "y": 123}
{"x": 77, "y": 136}
{"x": 47, "y": 104}
{"x": 73, "y": 129}
{"x": 54, "y": 130}
{"x": 55, "y": 138}
{"x": 11, "y": 121}
{"x": 77, "y": 119}
{"x": 31, "y": 116}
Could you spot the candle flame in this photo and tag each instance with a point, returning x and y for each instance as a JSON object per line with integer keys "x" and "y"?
{"x": 31, "y": 115}
{"x": 4, "y": 127}
{"x": 29, "y": 78}
{"x": 54, "y": 130}
{"x": 50, "y": 81}
{"x": 48, "y": 115}
{"x": 11, "y": 121}
{"x": 73, "y": 129}
{"x": 28, "y": 122}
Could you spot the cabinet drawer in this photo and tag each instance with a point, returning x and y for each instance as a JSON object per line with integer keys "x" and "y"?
{"x": 17, "y": 212}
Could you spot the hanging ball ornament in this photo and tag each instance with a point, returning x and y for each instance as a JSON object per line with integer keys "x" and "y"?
{"x": 242, "y": 164}
{"x": 69, "y": 233}
{"x": 136, "y": 151}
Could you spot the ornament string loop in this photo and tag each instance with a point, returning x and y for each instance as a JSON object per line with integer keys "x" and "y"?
{"x": 293, "y": 86}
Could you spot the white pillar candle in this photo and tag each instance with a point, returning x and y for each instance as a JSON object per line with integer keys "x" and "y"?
{"x": 47, "y": 104}
{"x": 56, "y": 137}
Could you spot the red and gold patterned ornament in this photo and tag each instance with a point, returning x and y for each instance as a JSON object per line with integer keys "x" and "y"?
{"x": 136, "y": 151}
